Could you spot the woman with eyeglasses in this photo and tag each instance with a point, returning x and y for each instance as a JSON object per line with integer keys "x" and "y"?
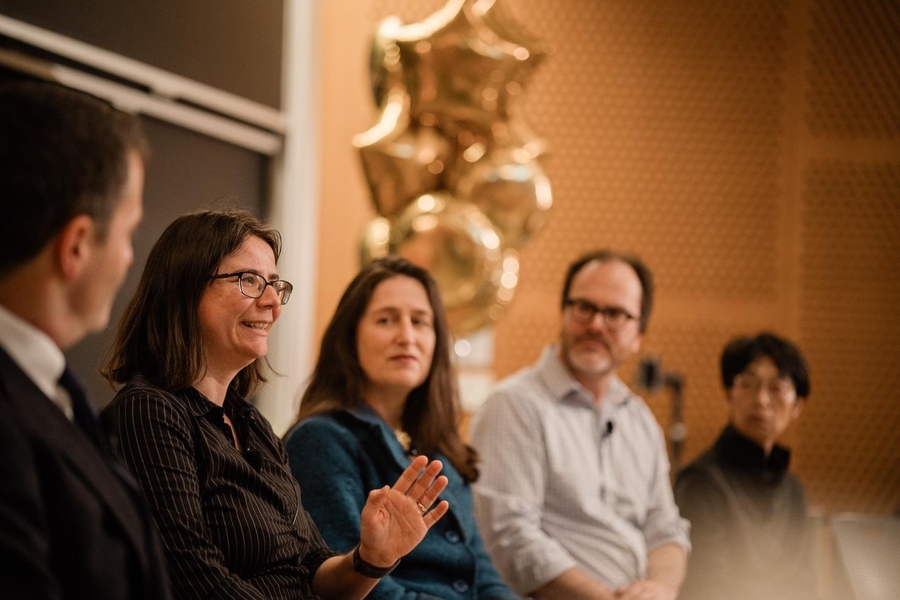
{"x": 189, "y": 350}
{"x": 382, "y": 393}
{"x": 748, "y": 513}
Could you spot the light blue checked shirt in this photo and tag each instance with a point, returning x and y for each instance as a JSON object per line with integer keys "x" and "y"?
{"x": 561, "y": 488}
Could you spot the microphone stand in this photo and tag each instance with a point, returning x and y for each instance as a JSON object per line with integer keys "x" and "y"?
{"x": 650, "y": 376}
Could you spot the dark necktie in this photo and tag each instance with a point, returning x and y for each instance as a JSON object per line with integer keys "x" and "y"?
{"x": 82, "y": 410}
{"x": 86, "y": 419}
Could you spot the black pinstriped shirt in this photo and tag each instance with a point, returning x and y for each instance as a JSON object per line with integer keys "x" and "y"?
{"x": 231, "y": 522}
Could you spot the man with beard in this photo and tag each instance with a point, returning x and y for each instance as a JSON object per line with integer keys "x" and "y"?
{"x": 574, "y": 499}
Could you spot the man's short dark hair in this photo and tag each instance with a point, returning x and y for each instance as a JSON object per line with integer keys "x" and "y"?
{"x": 741, "y": 352}
{"x": 63, "y": 153}
{"x": 604, "y": 256}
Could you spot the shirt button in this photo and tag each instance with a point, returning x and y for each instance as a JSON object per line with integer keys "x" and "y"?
{"x": 460, "y": 586}
{"x": 452, "y": 537}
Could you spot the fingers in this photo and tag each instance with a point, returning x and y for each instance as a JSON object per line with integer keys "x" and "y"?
{"x": 431, "y": 494}
{"x": 421, "y": 482}
{"x": 410, "y": 474}
{"x": 434, "y": 515}
{"x": 414, "y": 482}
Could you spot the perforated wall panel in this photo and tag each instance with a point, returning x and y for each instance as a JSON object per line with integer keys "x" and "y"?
{"x": 750, "y": 152}
{"x": 854, "y": 81}
{"x": 851, "y": 291}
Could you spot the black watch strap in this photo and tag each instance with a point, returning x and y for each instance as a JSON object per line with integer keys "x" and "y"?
{"x": 368, "y": 570}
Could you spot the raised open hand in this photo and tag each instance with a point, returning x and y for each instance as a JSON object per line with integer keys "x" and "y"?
{"x": 396, "y": 518}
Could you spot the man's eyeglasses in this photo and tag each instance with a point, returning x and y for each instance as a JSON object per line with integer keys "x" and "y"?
{"x": 584, "y": 312}
{"x": 778, "y": 389}
{"x": 253, "y": 285}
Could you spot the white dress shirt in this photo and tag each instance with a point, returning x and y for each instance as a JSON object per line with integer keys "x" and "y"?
{"x": 37, "y": 355}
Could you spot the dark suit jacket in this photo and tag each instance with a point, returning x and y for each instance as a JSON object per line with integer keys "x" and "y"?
{"x": 70, "y": 526}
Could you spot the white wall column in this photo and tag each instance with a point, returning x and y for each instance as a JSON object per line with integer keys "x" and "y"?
{"x": 295, "y": 212}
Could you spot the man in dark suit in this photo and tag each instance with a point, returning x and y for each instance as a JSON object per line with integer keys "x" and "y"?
{"x": 71, "y": 184}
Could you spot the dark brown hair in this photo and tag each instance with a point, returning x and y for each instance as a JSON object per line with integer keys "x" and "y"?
{"x": 159, "y": 335}
{"x": 640, "y": 269}
{"x": 63, "y": 153}
{"x": 431, "y": 414}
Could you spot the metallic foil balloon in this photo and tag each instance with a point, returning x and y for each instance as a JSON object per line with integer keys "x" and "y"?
{"x": 375, "y": 238}
{"x": 401, "y": 162}
{"x": 463, "y": 64}
{"x": 462, "y": 250}
{"x": 490, "y": 303}
{"x": 452, "y": 239}
{"x": 510, "y": 187}
{"x": 384, "y": 60}
{"x": 453, "y": 170}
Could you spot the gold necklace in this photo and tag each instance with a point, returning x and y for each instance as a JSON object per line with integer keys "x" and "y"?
{"x": 404, "y": 439}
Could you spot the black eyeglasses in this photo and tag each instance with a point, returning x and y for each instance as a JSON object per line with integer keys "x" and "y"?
{"x": 780, "y": 389}
{"x": 584, "y": 311}
{"x": 253, "y": 285}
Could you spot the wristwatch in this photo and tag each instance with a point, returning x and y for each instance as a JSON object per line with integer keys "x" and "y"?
{"x": 369, "y": 570}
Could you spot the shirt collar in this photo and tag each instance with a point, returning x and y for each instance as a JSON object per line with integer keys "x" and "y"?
{"x": 200, "y": 405}
{"x": 747, "y": 455}
{"x": 366, "y": 415}
{"x": 564, "y": 386}
{"x": 35, "y": 353}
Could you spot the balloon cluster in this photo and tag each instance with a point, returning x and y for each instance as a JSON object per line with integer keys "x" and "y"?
{"x": 454, "y": 172}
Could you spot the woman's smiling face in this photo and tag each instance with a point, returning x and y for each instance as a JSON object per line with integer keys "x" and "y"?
{"x": 236, "y": 327}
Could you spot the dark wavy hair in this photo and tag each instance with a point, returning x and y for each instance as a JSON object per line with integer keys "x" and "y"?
{"x": 159, "y": 335}
{"x": 63, "y": 153}
{"x": 431, "y": 415}
{"x": 642, "y": 271}
{"x": 741, "y": 352}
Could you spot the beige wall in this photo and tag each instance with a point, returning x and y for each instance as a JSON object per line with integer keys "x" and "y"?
{"x": 749, "y": 151}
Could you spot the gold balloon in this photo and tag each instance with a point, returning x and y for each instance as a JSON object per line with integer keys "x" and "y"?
{"x": 462, "y": 250}
{"x": 510, "y": 187}
{"x": 492, "y": 299}
{"x": 453, "y": 170}
{"x": 452, "y": 239}
{"x": 374, "y": 242}
{"x": 401, "y": 162}
{"x": 462, "y": 65}
{"x": 384, "y": 60}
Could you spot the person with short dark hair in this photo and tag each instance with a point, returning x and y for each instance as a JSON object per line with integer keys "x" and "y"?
{"x": 747, "y": 512}
{"x": 574, "y": 501}
{"x": 383, "y": 391}
{"x": 72, "y": 524}
{"x": 190, "y": 348}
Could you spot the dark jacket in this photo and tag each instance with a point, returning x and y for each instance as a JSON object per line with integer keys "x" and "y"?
{"x": 70, "y": 526}
{"x": 748, "y": 524}
{"x": 339, "y": 457}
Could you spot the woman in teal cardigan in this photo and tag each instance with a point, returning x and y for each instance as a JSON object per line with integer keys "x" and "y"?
{"x": 382, "y": 392}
